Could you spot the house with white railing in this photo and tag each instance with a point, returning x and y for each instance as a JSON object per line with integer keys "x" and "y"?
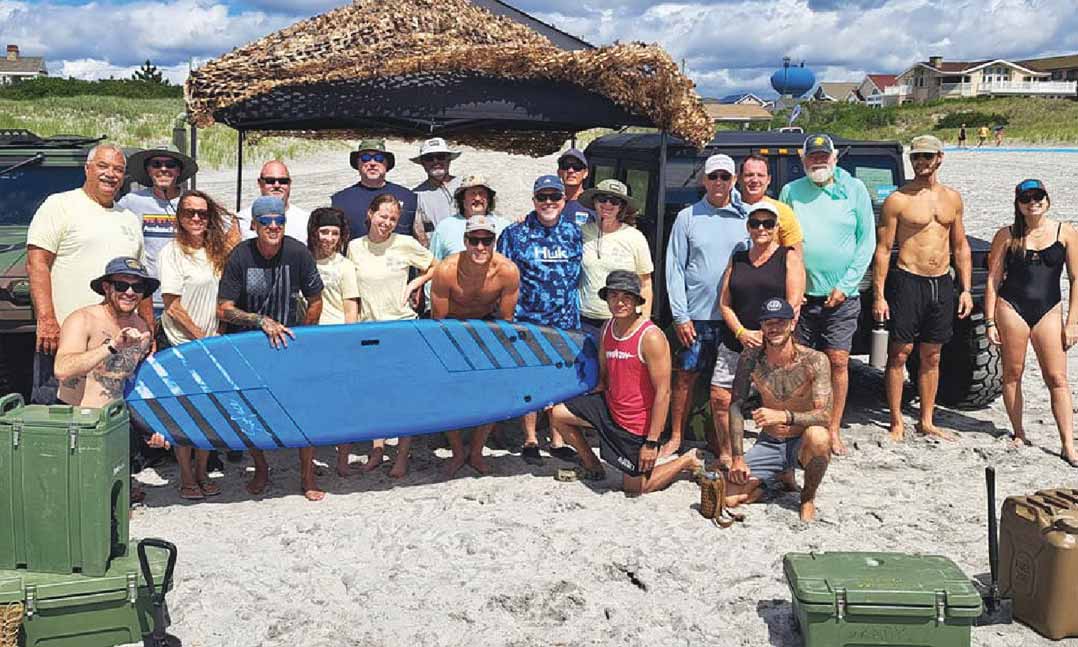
{"x": 15, "y": 67}
{"x": 939, "y": 79}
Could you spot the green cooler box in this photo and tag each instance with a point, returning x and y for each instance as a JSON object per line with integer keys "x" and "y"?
{"x": 880, "y": 599}
{"x": 81, "y": 611}
{"x": 64, "y": 486}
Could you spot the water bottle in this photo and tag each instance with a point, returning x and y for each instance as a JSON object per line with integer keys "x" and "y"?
{"x": 877, "y": 353}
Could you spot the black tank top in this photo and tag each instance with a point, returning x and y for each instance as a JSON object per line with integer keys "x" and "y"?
{"x": 750, "y": 287}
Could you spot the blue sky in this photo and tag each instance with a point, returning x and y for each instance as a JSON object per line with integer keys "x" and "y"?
{"x": 727, "y": 45}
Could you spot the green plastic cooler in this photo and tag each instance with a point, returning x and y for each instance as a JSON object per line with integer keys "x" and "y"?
{"x": 75, "y": 610}
{"x": 880, "y": 599}
{"x": 64, "y": 486}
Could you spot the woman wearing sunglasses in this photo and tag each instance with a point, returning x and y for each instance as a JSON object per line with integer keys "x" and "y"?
{"x": 611, "y": 242}
{"x": 753, "y": 276}
{"x": 190, "y": 267}
{"x": 1023, "y": 303}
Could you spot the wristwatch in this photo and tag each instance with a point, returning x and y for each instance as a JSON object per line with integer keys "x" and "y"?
{"x": 651, "y": 444}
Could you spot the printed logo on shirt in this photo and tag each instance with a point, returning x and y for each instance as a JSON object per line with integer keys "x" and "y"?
{"x": 549, "y": 255}
{"x": 581, "y": 218}
{"x": 158, "y": 224}
{"x": 619, "y": 354}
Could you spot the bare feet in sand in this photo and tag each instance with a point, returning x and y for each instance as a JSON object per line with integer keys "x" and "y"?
{"x": 933, "y": 430}
{"x": 400, "y": 467}
{"x": 454, "y": 464}
{"x": 1069, "y": 458}
{"x": 838, "y": 448}
{"x": 374, "y": 460}
{"x": 808, "y": 511}
{"x": 898, "y": 432}
{"x": 479, "y": 464}
{"x": 1018, "y": 442}
{"x": 257, "y": 485}
{"x": 311, "y": 491}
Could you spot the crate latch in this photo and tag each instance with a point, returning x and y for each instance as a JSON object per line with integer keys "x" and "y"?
{"x": 31, "y": 601}
{"x": 840, "y": 604}
{"x": 132, "y": 588}
{"x": 73, "y": 436}
{"x": 941, "y": 606}
{"x": 16, "y": 433}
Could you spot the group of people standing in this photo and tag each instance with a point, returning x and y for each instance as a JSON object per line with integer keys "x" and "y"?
{"x": 744, "y": 278}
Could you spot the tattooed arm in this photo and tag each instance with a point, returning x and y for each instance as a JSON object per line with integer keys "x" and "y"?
{"x": 73, "y": 359}
{"x": 746, "y": 364}
{"x": 278, "y": 333}
{"x": 820, "y": 414}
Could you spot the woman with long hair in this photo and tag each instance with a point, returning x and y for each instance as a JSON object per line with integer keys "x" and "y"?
{"x": 190, "y": 266}
{"x": 1023, "y": 303}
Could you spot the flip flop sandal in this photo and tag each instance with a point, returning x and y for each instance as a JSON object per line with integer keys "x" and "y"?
{"x": 209, "y": 488}
{"x": 1072, "y": 463}
{"x": 713, "y": 501}
{"x": 579, "y": 473}
{"x": 192, "y": 493}
{"x": 565, "y": 453}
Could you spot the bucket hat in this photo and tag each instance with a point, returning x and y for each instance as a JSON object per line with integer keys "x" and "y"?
{"x": 613, "y": 188}
{"x": 136, "y": 164}
{"x": 375, "y": 145}
{"x": 472, "y": 181}
{"x": 623, "y": 280}
{"x": 124, "y": 265}
{"x": 434, "y": 145}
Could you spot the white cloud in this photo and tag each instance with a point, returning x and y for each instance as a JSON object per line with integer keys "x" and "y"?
{"x": 92, "y": 69}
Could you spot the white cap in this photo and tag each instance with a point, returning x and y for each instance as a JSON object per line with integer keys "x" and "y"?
{"x": 720, "y": 162}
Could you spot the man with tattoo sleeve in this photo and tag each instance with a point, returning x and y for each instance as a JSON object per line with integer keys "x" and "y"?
{"x": 794, "y": 383}
{"x": 260, "y": 289}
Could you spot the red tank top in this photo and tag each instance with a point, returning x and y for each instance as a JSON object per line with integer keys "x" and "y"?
{"x": 629, "y": 393}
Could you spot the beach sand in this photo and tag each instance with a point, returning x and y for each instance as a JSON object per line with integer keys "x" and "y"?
{"x": 518, "y": 558}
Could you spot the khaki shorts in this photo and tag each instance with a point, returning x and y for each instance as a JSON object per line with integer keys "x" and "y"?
{"x": 725, "y": 367}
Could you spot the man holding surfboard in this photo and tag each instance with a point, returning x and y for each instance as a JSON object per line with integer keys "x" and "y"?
{"x": 260, "y": 289}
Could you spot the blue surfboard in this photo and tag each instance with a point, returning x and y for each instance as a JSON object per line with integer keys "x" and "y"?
{"x": 354, "y": 382}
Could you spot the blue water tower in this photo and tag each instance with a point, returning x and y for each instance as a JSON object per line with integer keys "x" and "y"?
{"x": 793, "y": 81}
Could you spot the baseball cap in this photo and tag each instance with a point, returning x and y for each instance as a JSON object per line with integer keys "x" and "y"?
{"x": 125, "y": 265}
{"x": 818, "y": 143}
{"x": 480, "y": 223}
{"x": 720, "y": 162}
{"x": 622, "y": 280}
{"x": 1030, "y": 185}
{"x": 575, "y": 153}
{"x": 267, "y": 205}
{"x": 776, "y": 308}
{"x": 762, "y": 205}
{"x": 552, "y": 182}
{"x": 926, "y": 144}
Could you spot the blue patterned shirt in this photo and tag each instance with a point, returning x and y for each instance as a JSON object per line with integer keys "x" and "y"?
{"x": 549, "y": 262}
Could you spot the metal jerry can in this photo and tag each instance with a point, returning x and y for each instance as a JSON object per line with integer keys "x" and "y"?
{"x": 1038, "y": 549}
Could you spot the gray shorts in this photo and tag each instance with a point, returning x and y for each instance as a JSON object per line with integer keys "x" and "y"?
{"x": 725, "y": 367}
{"x": 823, "y": 328}
{"x": 772, "y": 456}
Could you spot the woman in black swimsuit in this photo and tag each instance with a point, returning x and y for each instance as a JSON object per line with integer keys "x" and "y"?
{"x": 1023, "y": 304}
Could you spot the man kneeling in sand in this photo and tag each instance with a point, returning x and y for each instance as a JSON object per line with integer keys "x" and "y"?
{"x": 794, "y": 383}
{"x": 628, "y": 410}
{"x": 477, "y": 283}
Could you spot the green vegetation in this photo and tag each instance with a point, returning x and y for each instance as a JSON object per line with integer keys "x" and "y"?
{"x": 48, "y": 86}
{"x": 1029, "y": 120}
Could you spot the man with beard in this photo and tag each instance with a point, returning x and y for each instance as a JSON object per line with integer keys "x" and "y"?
{"x": 917, "y": 297}
{"x": 572, "y": 171}
{"x": 835, "y": 210}
{"x": 434, "y": 196}
{"x": 794, "y": 383}
{"x": 477, "y": 283}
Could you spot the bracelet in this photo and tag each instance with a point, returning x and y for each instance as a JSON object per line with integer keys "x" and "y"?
{"x": 259, "y": 321}
{"x": 740, "y": 330}
{"x": 789, "y": 417}
{"x": 989, "y": 323}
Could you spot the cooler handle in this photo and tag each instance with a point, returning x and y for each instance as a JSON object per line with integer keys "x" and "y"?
{"x": 158, "y": 637}
{"x": 10, "y": 401}
{"x": 114, "y": 409}
{"x": 896, "y": 611}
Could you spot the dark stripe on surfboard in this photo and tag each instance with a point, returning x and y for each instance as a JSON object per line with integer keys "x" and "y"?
{"x": 456, "y": 344}
{"x": 203, "y": 425}
{"x": 170, "y": 424}
{"x": 231, "y": 423}
{"x": 526, "y": 334}
{"x": 509, "y": 347}
{"x": 481, "y": 343}
{"x": 261, "y": 420}
{"x": 559, "y": 344}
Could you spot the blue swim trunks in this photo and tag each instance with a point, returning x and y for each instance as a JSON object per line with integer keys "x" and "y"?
{"x": 700, "y": 357}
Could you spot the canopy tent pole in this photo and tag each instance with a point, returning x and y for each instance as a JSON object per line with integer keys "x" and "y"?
{"x": 239, "y": 165}
{"x": 194, "y": 152}
{"x": 659, "y": 284}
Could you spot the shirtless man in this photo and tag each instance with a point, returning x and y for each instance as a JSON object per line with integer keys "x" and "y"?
{"x": 794, "y": 383}
{"x": 102, "y": 344}
{"x": 917, "y": 297}
{"x": 477, "y": 283}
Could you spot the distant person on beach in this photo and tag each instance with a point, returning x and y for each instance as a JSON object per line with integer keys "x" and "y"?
{"x": 794, "y": 384}
{"x": 275, "y": 181}
{"x": 474, "y": 196}
{"x": 982, "y": 136}
{"x": 434, "y": 196}
{"x": 71, "y": 237}
{"x": 838, "y": 250}
{"x": 547, "y": 248}
{"x": 998, "y": 130}
{"x": 373, "y": 162}
{"x": 260, "y": 289}
{"x": 703, "y": 237}
{"x": 918, "y": 297}
{"x": 573, "y": 171}
{"x": 628, "y": 409}
{"x": 477, "y": 283}
{"x": 1023, "y": 303}
{"x": 962, "y": 136}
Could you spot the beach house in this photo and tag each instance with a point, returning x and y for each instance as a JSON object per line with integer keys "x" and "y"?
{"x": 16, "y": 67}
{"x": 939, "y": 79}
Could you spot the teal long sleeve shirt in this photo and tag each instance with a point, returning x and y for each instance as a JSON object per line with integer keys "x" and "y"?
{"x": 840, "y": 231}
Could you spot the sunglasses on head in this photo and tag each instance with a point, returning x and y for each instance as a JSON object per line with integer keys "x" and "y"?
{"x": 609, "y": 199}
{"x": 435, "y": 157}
{"x": 284, "y": 181}
{"x": 571, "y": 165}
{"x": 123, "y": 286}
{"x": 480, "y": 241}
{"x": 266, "y": 221}
{"x": 201, "y": 214}
{"x": 766, "y": 223}
{"x": 165, "y": 163}
{"x": 1032, "y": 196}
{"x": 922, "y": 156}
{"x": 548, "y": 197}
{"x": 719, "y": 175}
{"x": 377, "y": 157}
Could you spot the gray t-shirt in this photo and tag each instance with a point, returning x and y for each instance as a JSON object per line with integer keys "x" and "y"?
{"x": 435, "y": 202}
{"x": 158, "y": 227}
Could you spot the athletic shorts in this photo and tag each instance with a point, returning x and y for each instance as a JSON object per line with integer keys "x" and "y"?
{"x": 617, "y": 446}
{"x": 45, "y": 384}
{"x": 922, "y": 307}
{"x": 700, "y": 357}
{"x": 725, "y": 367}
{"x": 772, "y": 456}
{"x": 593, "y": 328}
{"x": 823, "y": 328}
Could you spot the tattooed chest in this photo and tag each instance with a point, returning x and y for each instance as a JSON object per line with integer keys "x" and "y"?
{"x": 782, "y": 383}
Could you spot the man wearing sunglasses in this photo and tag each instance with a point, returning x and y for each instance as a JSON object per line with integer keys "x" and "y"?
{"x": 434, "y": 196}
{"x": 573, "y": 170}
{"x": 373, "y": 162}
{"x": 918, "y": 296}
{"x": 275, "y": 181}
{"x": 701, "y": 241}
{"x": 835, "y": 210}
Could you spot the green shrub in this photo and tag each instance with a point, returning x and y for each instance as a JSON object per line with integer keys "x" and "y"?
{"x": 972, "y": 119}
{"x": 46, "y": 86}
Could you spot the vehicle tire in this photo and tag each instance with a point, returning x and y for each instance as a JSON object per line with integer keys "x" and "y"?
{"x": 971, "y": 372}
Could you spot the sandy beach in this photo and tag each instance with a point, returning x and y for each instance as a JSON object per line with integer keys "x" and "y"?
{"x": 517, "y": 558}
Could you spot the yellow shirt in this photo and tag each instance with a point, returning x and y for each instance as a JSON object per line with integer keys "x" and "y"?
{"x": 339, "y": 278}
{"x": 624, "y": 249}
{"x": 789, "y": 228}
{"x": 84, "y": 236}
{"x": 382, "y": 275}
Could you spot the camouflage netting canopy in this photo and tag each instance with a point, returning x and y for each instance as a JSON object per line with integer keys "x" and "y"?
{"x": 411, "y": 69}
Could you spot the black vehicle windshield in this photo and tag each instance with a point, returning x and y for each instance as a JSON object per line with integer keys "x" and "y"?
{"x": 24, "y": 189}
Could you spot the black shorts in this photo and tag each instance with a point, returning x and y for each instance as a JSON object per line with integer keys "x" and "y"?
{"x": 616, "y": 445}
{"x": 922, "y": 307}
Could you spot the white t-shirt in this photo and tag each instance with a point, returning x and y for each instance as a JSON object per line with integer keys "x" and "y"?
{"x": 623, "y": 249}
{"x": 295, "y": 224}
{"x": 84, "y": 236}
{"x": 339, "y": 281}
{"x": 193, "y": 278}
{"x": 158, "y": 227}
{"x": 382, "y": 275}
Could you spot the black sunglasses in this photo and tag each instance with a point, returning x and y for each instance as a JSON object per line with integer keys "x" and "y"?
{"x": 922, "y": 156}
{"x": 435, "y": 157}
{"x": 571, "y": 165}
{"x": 285, "y": 181}
{"x": 477, "y": 241}
{"x": 609, "y": 199}
{"x": 201, "y": 214}
{"x": 1032, "y": 196}
{"x": 377, "y": 157}
{"x": 169, "y": 164}
{"x": 548, "y": 197}
{"x": 768, "y": 223}
{"x": 123, "y": 286}
{"x": 719, "y": 175}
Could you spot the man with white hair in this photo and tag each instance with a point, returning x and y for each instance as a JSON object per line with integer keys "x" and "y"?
{"x": 835, "y": 210}
{"x": 435, "y": 196}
